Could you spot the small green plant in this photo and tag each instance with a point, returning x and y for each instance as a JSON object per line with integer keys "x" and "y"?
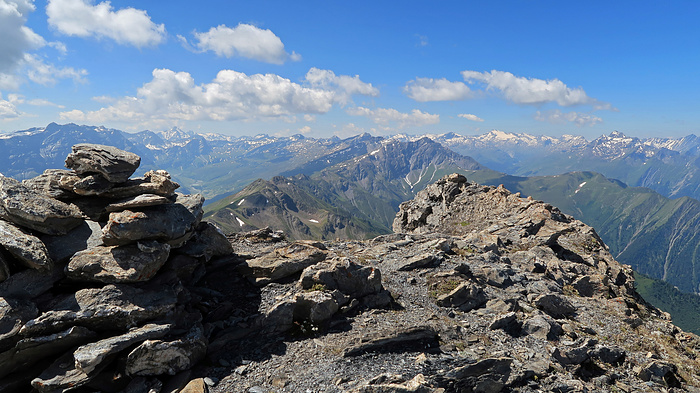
{"x": 569, "y": 290}
{"x": 317, "y": 287}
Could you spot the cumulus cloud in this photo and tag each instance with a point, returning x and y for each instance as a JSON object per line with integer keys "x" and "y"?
{"x": 243, "y": 40}
{"x": 471, "y": 117}
{"x": 429, "y": 89}
{"x": 558, "y": 117}
{"x": 48, "y": 74}
{"x": 533, "y": 91}
{"x": 8, "y": 110}
{"x": 16, "y": 40}
{"x": 343, "y": 85}
{"x": 387, "y": 116}
{"x": 82, "y": 18}
{"x": 174, "y": 96}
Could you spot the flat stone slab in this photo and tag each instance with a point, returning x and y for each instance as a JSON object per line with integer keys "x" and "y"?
{"x": 114, "y": 164}
{"x": 36, "y": 211}
{"x": 282, "y": 263}
{"x": 119, "y": 264}
{"x": 165, "y": 222}
{"x": 114, "y": 306}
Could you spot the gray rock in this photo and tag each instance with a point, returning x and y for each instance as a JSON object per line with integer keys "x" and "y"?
{"x": 488, "y": 375}
{"x": 49, "y": 183}
{"x": 89, "y": 357}
{"x": 282, "y": 263}
{"x": 114, "y": 164}
{"x": 108, "y": 308}
{"x": 39, "y": 212}
{"x": 172, "y": 223}
{"x": 30, "y": 283}
{"x": 84, "y": 236}
{"x": 661, "y": 372}
{"x": 30, "y": 351}
{"x": 467, "y": 296}
{"x": 398, "y": 338}
{"x": 4, "y": 267}
{"x": 315, "y": 306}
{"x": 90, "y": 185}
{"x": 208, "y": 241}
{"x": 422, "y": 260}
{"x": 555, "y": 305}
{"x": 504, "y": 322}
{"x": 543, "y": 327}
{"x": 143, "y": 200}
{"x": 119, "y": 264}
{"x": 157, "y": 357}
{"x": 153, "y": 182}
{"x": 348, "y": 277}
{"x": 61, "y": 376}
{"x": 14, "y": 313}
{"x": 26, "y": 248}
{"x": 609, "y": 354}
{"x": 143, "y": 385}
{"x": 396, "y": 384}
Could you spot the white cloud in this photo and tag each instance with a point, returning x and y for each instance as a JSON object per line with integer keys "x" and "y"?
{"x": 309, "y": 118}
{"x": 8, "y": 110}
{"x": 343, "y": 85}
{"x": 174, "y": 96}
{"x": 387, "y": 116}
{"x": 422, "y": 40}
{"x": 429, "y": 89}
{"x": 127, "y": 26}
{"x": 305, "y": 130}
{"x": 558, "y": 117}
{"x": 243, "y": 40}
{"x": 47, "y": 74}
{"x": 43, "y": 102}
{"x": 533, "y": 91}
{"x": 16, "y": 40}
{"x": 471, "y": 117}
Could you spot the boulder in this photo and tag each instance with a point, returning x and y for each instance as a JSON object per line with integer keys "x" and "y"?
{"x": 208, "y": 241}
{"x": 39, "y": 212}
{"x": 61, "y": 376}
{"x": 422, "y": 260}
{"x": 143, "y": 200}
{"x": 488, "y": 375}
{"x": 119, "y": 264}
{"x": 315, "y": 306}
{"x": 348, "y": 277}
{"x": 26, "y": 248}
{"x": 467, "y": 296}
{"x": 555, "y": 305}
{"x": 111, "y": 307}
{"x": 157, "y": 357}
{"x": 90, "y": 356}
{"x": 14, "y": 313}
{"x": 49, "y": 183}
{"x": 30, "y": 283}
{"x": 282, "y": 263}
{"x": 414, "y": 337}
{"x": 172, "y": 223}
{"x": 114, "y": 164}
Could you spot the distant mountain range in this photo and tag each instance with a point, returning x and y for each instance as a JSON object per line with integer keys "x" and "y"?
{"x": 351, "y": 188}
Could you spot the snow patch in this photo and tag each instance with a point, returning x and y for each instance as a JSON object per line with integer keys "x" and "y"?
{"x": 312, "y": 220}
{"x": 240, "y": 202}
{"x": 579, "y": 187}
{"x": 240, "y": 223}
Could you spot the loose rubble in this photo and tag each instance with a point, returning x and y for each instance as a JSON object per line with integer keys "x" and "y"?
{"x": 478, "y": 290}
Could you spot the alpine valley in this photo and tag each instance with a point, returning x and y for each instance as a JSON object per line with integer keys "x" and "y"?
{"x": 639, "y": 194}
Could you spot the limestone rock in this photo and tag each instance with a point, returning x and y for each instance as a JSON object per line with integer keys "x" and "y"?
{"x": 422, "y": 260}
{"x": 39, "y": 212}
{"x": 49, "y": 183}
{"x": 119, "y": 264}
{"x": 114, "y": 164}
{"x": 282, "y": 263}
{"x": 172, "y": 223}
{"x": 157, "y": 357}
{"x": 315, "y": 306}
{"x": 26, "y": 248}
{"x": 467, "y": 296}
{"x": 110, "y": 307}
{"x": 90, "y": 356}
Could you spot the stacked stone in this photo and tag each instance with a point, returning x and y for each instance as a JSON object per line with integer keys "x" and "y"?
{"x": 94, "y": 269}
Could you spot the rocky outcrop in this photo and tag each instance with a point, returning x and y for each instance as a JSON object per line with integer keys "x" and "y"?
{"x": 479, "y": 291}
{"x": 88, "y": 269}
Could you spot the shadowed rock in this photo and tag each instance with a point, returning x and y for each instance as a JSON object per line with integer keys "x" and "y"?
{"x": 114, "y": 164}
{"x": 110, "y": 307}
{"x": 282, "y": 263}
{"x": 26, "y": 248}
{"x": 84, "y": 236}
{"x": 153, "y": 182}
{"x": 119, "y": 264}
{"x": 207, "y": 241}
{"x": 13, "y": 314}
{"x": 157, "y": 357}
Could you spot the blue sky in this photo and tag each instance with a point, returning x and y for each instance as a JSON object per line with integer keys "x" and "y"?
{"x": 325, "y": 68}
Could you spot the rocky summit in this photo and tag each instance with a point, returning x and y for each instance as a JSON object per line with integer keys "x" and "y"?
{"x": 115, "y": 284}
